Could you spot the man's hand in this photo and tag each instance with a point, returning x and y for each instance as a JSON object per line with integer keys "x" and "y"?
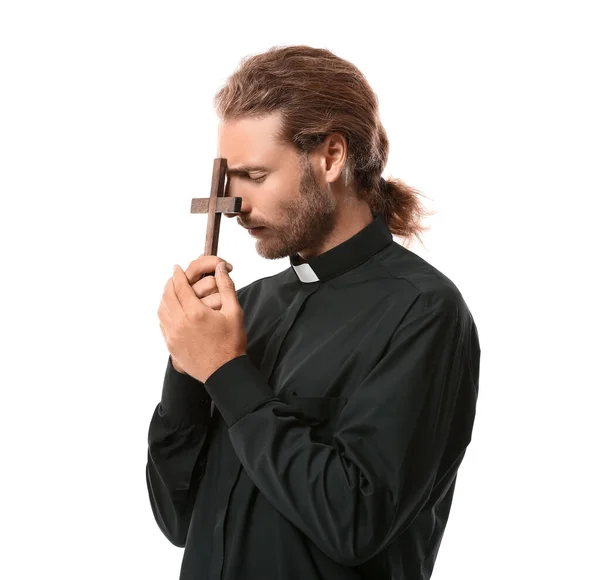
{"x": 204, "y": 288}
{"x": 199, "y": 338}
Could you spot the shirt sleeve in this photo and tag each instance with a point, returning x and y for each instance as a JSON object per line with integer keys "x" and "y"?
{"x": 177, "y": 441}
{"x": 351, "y": 498}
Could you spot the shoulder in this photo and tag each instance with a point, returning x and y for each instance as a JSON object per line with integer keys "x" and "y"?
{"x": 428, "y": 287}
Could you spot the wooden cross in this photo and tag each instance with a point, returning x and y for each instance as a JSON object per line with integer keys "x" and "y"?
{"x": 216, "y": 205}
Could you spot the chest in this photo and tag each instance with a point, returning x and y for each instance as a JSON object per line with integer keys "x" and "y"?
{"x": 322, "y": 350}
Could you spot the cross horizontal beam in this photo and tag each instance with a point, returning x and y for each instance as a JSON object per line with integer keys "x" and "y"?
{"x": 223, "y": 205}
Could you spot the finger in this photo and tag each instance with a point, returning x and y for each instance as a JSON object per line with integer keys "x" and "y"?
{"x": 161, "y": 308}
{"x": 184, "y": 293}
{"x": 213, "y": 301}
{"x": 164, "y": 333}
{"x": 229, "y": 300}
{"x": 205, "y": 287}
{"x": 170, "y": 301}
{"x": 200, "y": 266}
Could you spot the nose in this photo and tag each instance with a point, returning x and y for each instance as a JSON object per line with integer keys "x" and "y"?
{"x": 234, "y": 191}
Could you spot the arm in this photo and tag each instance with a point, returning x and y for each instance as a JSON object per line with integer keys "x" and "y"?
{"x": 178, "y": 441}
{"x": 177, "y": 446}
{"x": 353, "y": 497}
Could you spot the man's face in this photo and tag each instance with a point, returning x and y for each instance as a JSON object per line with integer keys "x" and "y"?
{"x": 296, "y": 212}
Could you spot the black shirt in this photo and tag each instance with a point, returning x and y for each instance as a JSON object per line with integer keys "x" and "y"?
{"x": 330, "y": 449}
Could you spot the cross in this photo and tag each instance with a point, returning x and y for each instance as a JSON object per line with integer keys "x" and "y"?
{"x": 216, "y": 205}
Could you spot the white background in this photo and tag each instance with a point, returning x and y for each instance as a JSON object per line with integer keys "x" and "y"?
{"x": 107, "y": 131}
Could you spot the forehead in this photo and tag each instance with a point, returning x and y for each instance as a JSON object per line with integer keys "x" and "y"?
{"x": 251, "y": 141}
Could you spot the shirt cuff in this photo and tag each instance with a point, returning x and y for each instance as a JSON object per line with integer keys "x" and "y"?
{"x": 237, "y": 388}
{"x": 184, "y": 398}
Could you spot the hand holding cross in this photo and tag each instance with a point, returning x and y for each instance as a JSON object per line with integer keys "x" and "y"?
{"x": 201, "y": 338}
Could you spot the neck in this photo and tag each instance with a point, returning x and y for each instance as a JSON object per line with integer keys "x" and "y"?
{"x": 353, "y": 215}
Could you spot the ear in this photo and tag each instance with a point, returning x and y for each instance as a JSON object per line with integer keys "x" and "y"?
{"x": 333, "y": 156}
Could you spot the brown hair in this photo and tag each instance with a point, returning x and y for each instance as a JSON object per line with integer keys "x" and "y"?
{"x": 318, "y": 93}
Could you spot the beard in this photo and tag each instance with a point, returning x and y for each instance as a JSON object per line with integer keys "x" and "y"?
{"x": 309, "y": 219}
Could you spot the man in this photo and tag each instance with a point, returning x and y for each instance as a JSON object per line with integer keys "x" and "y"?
{"x": 312, "y": 423}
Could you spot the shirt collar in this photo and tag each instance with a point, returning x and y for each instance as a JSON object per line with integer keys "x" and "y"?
{"x": 345, "y": 256}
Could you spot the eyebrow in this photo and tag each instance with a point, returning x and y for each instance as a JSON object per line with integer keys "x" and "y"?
{"x": 243, "y": 169}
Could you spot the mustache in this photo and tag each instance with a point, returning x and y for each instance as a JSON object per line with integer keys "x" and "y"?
{"x": 251, "y": 226}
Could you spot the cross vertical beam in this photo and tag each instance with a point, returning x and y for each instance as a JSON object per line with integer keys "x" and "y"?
{"x": 215, "y": 205}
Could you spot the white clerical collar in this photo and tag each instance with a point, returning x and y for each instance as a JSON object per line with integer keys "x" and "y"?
{"x": 305, "y": 273}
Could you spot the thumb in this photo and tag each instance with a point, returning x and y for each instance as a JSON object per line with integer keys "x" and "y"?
{"x": 229, "y": 300}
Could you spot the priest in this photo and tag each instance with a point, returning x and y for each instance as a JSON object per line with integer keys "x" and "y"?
{"x": 312, "y": 423}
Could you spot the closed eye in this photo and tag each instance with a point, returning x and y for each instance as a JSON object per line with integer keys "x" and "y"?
{"x": 257, "y": 179}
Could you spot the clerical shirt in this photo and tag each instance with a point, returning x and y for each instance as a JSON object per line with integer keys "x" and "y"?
{"x": 330, "y": 449}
